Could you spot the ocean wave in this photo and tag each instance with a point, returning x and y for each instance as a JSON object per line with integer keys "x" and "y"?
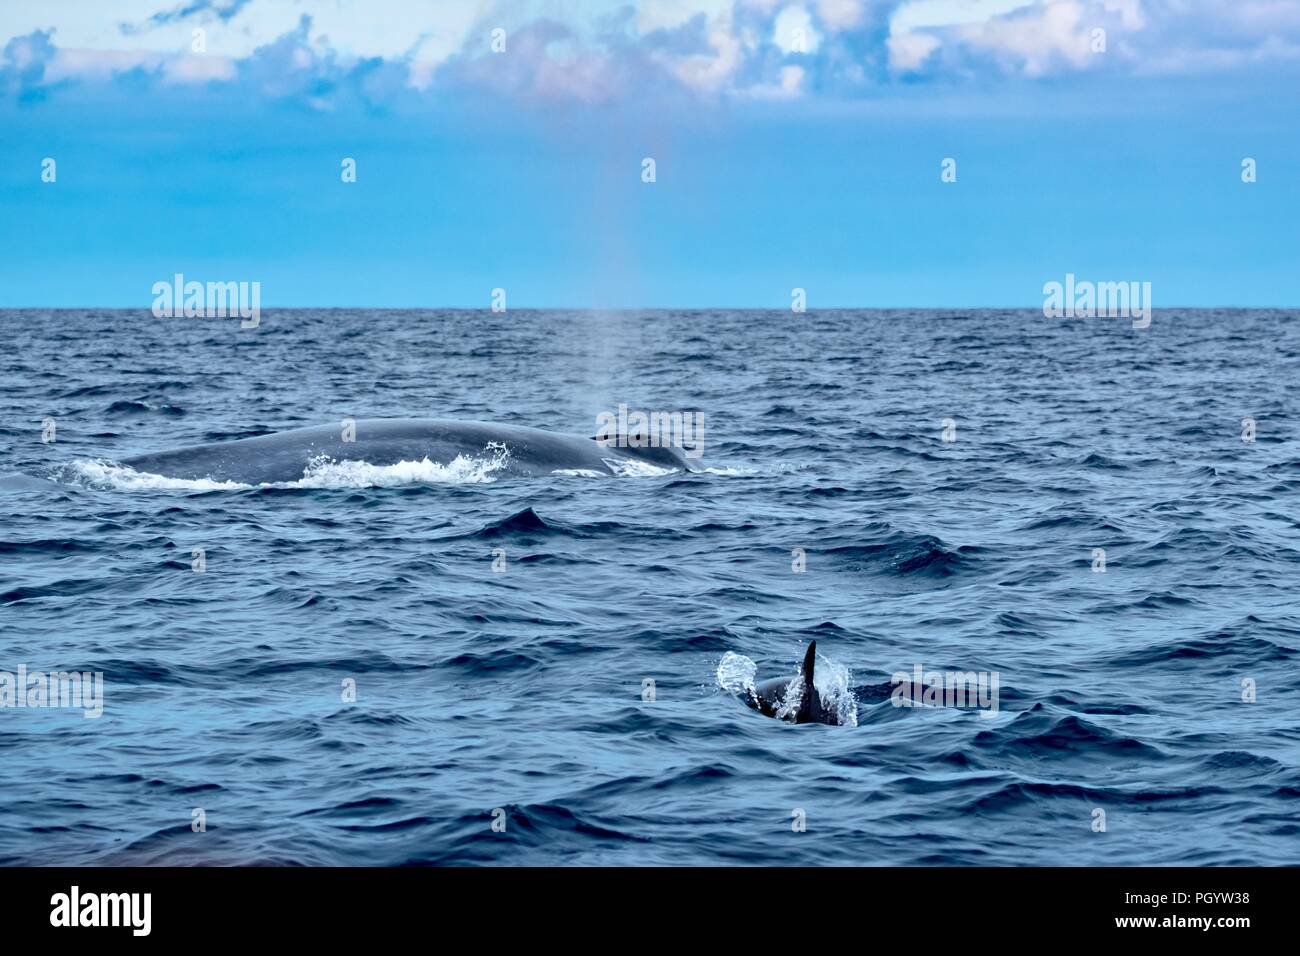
{"x": 524, "y": 521}
{"x": 526, "y": 690}
{"x": 1235, "y": 646}
{"x": 1037, "y": 733}
{"x": 123, "y": 408}
{"x": 903, "y": 554}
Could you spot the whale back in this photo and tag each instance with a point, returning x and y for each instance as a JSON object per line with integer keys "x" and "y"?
{"x": 514, "y": 450}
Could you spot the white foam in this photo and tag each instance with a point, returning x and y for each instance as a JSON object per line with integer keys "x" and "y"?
{"x": 110, "y": 476}
{"x": 749, "y": 471}
{"x": 461, "y": 470}
{"x": 321, "y": 472}
{"x": 634, "y": 468}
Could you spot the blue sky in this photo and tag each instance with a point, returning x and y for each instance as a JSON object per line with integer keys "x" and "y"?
{"x": 796, "y": 145}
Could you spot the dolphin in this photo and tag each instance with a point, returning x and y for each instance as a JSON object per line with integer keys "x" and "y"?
{"x": 515, "y": 450}
{"x": 794, "y": 698}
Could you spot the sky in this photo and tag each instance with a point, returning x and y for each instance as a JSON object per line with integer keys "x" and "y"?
{"x": 502, "y": 145}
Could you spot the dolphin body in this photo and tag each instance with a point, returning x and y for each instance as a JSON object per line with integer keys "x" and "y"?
{"x": 795, "y": 698}
{"x": 521, "y": 451}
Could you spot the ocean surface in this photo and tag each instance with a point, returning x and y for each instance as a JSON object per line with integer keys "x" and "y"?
{"x": 523, "y": 697}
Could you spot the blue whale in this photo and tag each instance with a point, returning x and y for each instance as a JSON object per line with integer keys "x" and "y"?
{"x": 520, "y": 451}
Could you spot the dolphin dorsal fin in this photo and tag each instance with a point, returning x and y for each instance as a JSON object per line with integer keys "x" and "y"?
{"x": 809, "y": 661}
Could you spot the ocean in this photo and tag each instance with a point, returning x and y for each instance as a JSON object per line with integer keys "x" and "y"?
{"x": 428, "y": 664}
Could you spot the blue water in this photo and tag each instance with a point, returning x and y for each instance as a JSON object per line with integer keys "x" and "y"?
{"x": 1121, "y": 690}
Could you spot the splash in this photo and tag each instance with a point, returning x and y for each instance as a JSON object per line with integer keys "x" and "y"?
{"x": 834, "y": 683}
{"x": 322, "y": 472}
{"x": 325, "y": 472}
{"x": 736, "y": 674}
{"x": 632, "y": 468}
{"x": 103, "y": 475}
{"x": 791, "y": 699}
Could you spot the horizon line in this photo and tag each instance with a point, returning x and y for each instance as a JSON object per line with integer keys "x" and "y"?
{"x": 631, "y": 308}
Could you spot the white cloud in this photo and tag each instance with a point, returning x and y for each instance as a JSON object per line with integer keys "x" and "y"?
{"x": 374, "y": 28}
{"x": 918, "y": 14}
{"x": 841, "y": 14}
{"x": 909, "y": 51}
{"x": 199, "y": 69}
{"x": 793, "y": 31}
{"x": 594, "y": 49}
{"x": 1054, "y": 33}
{"x": 789, "y": 86}
{"x": 707, "y": 72}
{"x": 654, "y": 15}
{"x": 1013, "y": 36}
